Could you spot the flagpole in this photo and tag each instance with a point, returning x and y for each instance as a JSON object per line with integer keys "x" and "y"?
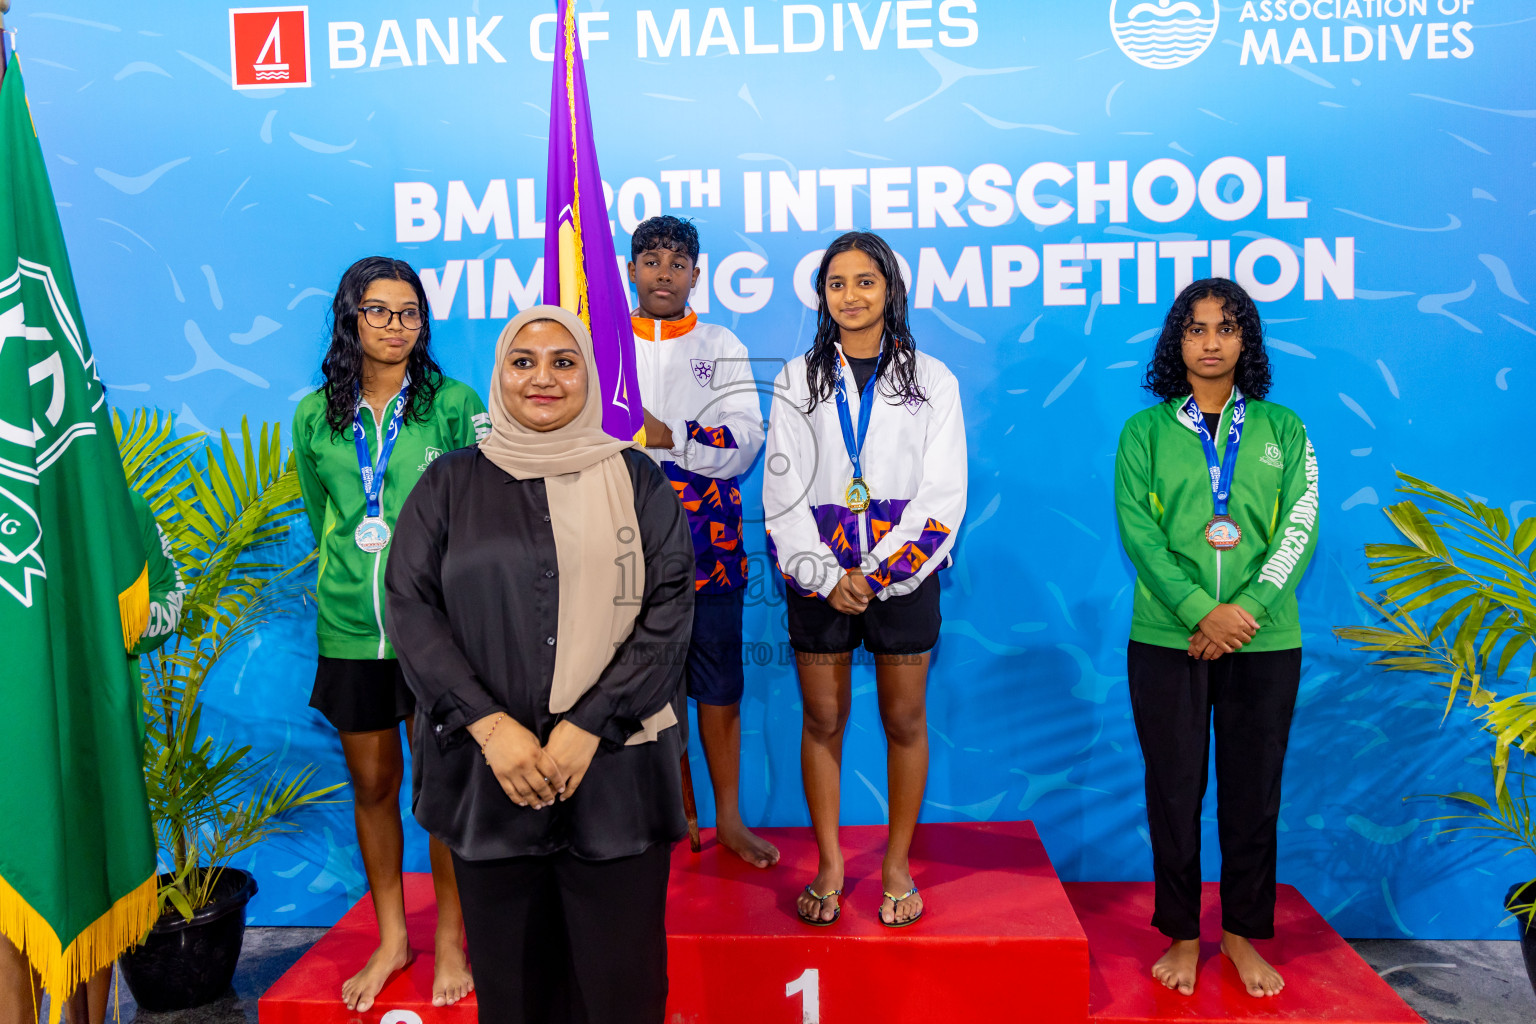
{"x": 5, "y": 5}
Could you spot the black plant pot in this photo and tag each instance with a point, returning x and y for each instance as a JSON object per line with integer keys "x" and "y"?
{"x": 188, "y": 963}
{"x": 1523, "y": 893}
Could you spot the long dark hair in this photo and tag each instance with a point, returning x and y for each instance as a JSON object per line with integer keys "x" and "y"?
{"x": 898, "y": 379}
{"x": 342, "y": 367}
{"x": 1168, "y": 377}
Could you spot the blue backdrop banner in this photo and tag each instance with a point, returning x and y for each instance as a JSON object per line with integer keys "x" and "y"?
{"x": 1051, "y": 174}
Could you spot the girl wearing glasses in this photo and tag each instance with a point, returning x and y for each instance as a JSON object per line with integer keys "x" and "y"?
{"x": 384, "y": 412}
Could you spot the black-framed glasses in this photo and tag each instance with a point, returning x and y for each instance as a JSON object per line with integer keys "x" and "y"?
{"x": 380, "y": 317}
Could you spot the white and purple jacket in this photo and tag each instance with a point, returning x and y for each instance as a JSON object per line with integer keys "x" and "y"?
{"x": 697, "y": 379}
{"x": 914, "y": 462}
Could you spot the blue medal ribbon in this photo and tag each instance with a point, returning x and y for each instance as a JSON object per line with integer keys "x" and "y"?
{"x": 855, "y": 444}
{"x": 1221, "y": 469}
{"x": 371, "y": 472}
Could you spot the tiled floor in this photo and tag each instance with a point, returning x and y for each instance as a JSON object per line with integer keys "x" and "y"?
{"x": 1456, "y": 982}
{"x": 1446, "y": 982}
{"x": 266, "y": 955}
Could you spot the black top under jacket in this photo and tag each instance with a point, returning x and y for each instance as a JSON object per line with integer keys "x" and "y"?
{"x": 474, "y": 600}
{"x": 863, "y": 369}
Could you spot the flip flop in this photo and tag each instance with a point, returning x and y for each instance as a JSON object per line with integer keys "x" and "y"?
{"x": 897, "y": 899}
{"x": 820, "y": 899}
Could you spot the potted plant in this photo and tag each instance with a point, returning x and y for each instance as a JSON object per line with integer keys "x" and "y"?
{"x": 1460, "y": 608}
{"x": 225, "y": 510}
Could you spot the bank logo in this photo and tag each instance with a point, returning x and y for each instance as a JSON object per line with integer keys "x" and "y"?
{"x": 1164, "y": 34}
{"x": 269, "y": 47}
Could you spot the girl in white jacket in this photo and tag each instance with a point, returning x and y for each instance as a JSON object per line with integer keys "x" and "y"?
{"x": 864, "y": 488}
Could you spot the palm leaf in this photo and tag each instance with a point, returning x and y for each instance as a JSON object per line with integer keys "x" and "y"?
{"x": 1414, "y": 525}
{"x": 154, "y": 460}
{"x": 224, "y": 505}
{"x": 1525, "y": 536}
{"x": 1462, "y": 569}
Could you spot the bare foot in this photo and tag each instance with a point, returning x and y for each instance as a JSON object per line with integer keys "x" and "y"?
{"x": 897, "y": 880}
{"x": 451, "y": 980}
{"x": 1259, "y": 978}
{"x": 1176, "y": 968}
{"x": 741, "y": 841}
{"x": 827, "y": 880}
{"x": 360, "y": 990}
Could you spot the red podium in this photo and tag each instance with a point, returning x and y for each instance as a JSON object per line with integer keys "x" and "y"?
{"x": 310, "y": 993}
{"x": 1004, "y": 940}
{"x": 1000, "y": 941}
{"x": 1325, "y": 981}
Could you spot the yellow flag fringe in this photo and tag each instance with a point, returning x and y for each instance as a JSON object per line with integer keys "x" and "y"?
{"x": 133, "y": 608}
{"x": 63, "y": 970}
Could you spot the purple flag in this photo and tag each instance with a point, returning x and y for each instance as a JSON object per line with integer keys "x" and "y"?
{"x": 580, "y": 270}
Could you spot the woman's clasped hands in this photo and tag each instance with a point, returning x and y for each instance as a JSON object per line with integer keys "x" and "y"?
{"x": 530, "y": 774}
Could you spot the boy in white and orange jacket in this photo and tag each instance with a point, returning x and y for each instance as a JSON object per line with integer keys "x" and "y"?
{"x": 704, "y": 427}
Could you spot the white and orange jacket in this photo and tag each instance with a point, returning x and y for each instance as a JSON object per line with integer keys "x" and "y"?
{"x": 914, "y": 462}
{"x": 697, "y": 379}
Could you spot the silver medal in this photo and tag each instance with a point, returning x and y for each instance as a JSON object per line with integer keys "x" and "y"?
{"x": 372, "y": 534}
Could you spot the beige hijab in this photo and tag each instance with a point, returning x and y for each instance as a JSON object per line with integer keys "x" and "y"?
{"x": 592, "y": 510}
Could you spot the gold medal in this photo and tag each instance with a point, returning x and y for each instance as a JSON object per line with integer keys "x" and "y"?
{"x": 858, "y": 495}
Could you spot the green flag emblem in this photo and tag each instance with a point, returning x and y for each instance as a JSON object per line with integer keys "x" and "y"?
{"x": 77, "y": 865}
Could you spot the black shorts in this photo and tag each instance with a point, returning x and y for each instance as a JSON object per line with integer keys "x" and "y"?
{"x": 361, "y": 695}
{"x": 714, "y": 669}
{"x": 908, "y": 624}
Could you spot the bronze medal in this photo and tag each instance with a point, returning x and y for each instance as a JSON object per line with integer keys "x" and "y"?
{"x": 1222, "y": 533}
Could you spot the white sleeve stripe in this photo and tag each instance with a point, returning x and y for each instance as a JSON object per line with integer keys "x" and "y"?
{"x": 1297, "y": 534}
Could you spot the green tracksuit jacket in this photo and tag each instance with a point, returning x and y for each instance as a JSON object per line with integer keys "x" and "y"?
{"x": 1163, "y": 502}
{"x": 166, "y": 591}
{"x": 351, "y": 585}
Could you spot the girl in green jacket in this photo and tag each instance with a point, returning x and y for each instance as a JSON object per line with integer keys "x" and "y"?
{"x": 1216, "y": 496}
{"x": 362, "y": 441}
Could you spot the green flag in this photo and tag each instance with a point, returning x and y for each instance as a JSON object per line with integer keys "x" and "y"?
{"x": 77, "y": 858}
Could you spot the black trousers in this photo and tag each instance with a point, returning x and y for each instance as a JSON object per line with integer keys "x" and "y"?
{"x": 1176, "y": 698}
{"x": 560, "y": 940}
